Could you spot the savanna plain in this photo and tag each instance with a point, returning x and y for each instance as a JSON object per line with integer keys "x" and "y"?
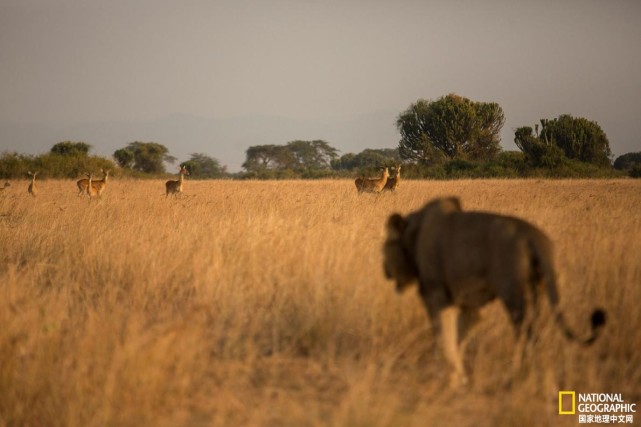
{"x": 265, "y": 304}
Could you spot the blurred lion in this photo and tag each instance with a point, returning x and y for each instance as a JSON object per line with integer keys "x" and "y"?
{"x": 464, "y": 260}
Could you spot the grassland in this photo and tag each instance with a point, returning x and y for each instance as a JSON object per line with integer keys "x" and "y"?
{"x": 264, "y": 304}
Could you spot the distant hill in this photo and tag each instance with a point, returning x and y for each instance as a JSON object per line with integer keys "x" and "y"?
{"x": 224, "y": 139}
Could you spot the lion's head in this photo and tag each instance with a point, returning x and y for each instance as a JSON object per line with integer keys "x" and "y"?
{"x": 399, "y": 248}
{"x": 397, "y": 263}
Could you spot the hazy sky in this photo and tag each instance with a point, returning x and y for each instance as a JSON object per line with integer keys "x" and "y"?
{"x": 73, "y": 61}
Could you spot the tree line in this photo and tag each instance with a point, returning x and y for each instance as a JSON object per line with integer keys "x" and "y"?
{"x": 70, "y": 159}
{"x": 450, "y": 137}
{"x": 455, "y": 137}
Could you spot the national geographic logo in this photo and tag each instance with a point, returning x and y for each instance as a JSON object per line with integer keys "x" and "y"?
{"x": 563, "y": 396}
{"x": 597, "y": 408}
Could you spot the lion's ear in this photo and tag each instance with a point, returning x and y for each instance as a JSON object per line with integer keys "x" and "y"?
{"x": 396, "y": 223}
{"x": 454, "y": 204}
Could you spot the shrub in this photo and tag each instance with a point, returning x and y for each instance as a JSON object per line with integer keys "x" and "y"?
{"x": 628, "y": 161}
{"x": 635, "y": 171}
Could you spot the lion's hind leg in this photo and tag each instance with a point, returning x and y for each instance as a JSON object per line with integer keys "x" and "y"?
{"x": 468, "y": 318}
{"x": 521, "y": 305}
{"x": 515, "y": 285}
{"x": 449, "y": 319}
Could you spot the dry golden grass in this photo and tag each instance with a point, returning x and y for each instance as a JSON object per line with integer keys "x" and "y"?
{"x": 264, "y": 304}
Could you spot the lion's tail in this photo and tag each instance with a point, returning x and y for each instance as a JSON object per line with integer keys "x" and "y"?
{"x": 545, "y": 270}
{"x": 597, "y": 321}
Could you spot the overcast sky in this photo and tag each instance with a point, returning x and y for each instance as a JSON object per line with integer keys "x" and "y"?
{"x": 74, "y": 61}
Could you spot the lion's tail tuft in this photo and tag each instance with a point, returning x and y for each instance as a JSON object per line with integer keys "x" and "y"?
{"x": 598, "y": 320}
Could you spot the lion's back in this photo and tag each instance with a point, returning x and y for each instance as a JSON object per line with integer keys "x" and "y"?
{"x": 482, "y": 248}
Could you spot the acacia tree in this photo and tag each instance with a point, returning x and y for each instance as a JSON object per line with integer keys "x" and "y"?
{"x": 70, "y": 148}
{"x": 450, "y": 127}
{"x": 296, "y": 156}
{"x": 264, "y": 157}
{"x": 124, "y": 157}
{"x": 146, "y": 157}
{"x": 368, "y": 158}
{"x": 316, "y": 154}
{"x": 202, "y": 166}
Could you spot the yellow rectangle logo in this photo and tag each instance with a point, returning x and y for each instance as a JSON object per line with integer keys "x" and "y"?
{"x": 570, "y": 411}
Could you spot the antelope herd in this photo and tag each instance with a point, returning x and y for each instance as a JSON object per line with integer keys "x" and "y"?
{"x": 377, "y": 185}
{"x": 95, "y": 187}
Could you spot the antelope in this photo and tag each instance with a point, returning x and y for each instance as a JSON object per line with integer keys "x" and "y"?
{"x": 82, "y": 185}
{"x": 372, "y": 185}
{"x": 92, "y": 191}
{"x": 176, "y": 187}
{"x": 7, "y": 184}
{"x": 99, "y": 184}
{"x": 33, "y": 190}
{"x": 392, "y": 182}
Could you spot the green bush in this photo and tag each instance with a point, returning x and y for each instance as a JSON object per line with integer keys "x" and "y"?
{"x": 511, "y": 161}
{"x": 459, "y": 167}
{"x": 628, "y": 161}
{"x": 15, "y": 166}
{"x": 635, "y": 171}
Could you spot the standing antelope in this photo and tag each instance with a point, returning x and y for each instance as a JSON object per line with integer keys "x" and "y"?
{"x": 82, "y": 185}
{"x": 176, "y": 187}
{"x": 372, "y": 185}
{"x": 100, "y": 185}
{"x": 393, "y": 182}
{"x": 92, "y": 191}
{"x": 33, "y": 190}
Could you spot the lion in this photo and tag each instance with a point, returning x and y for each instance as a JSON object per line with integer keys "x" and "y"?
{"x": 464, "y": 260}
{"x": 372, "y": 185}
